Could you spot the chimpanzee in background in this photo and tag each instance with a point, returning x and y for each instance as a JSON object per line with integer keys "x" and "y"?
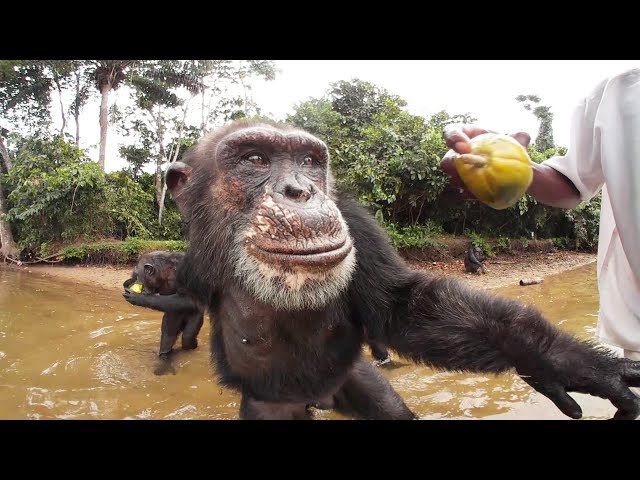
{"x": 474, "y": 260}
{"x": 27, "y": 255}
{"x": 295, "y": 274}
{"x": 156, "y": 271}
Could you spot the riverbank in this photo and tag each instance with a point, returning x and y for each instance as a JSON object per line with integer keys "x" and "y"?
{"x": 502, "y": 270}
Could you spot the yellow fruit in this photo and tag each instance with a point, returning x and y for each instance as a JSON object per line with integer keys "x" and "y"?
{"x": 497, "y": 171}
{"x": 136, "y": 288}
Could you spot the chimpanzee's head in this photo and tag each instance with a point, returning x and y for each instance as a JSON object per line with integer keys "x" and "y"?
{"x": 257, "y": 197}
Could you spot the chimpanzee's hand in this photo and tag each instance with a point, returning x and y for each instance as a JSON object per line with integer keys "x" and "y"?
{"x": 128, "y": 282}
{"x": 601, "y": 375}
{"x": 139, "y": 299}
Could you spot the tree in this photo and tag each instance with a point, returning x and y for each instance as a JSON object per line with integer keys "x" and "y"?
{"x": 158, "y": 86}
{"x": 136, "y": 157}
{"x": 108, "y": 76}
{"x": 385, "y": 155}
{"x": 55, "y": 192}
{"x": 220, "y": 97}
{"x": 26, "y": 86}
{"x": 82, "y": 81}
{"x": 164, "y": 91}
{"x": 25, "y": 94}
{"x": 8, "y": 247}
{"x": 24, "y": 99}
{"x": 544, "y": 140}
{"x": 61, "y": 71}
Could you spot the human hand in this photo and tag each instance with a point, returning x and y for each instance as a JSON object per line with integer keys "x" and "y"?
{"x": 457, "y": 138}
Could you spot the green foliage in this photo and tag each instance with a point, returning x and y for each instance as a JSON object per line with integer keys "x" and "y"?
{"x": 586, "y": 223}
{"x": 129, "y": 206}
{"x": 538, "y": 156}
{"x": 137, "y": 157}
{"x": 44, "y": 250}
{"x": 388, "y": 158}
{"x": 479, "y": 241}
{"x": 420, "y": 236}
{"x": 57, "y": 193}
{"x": 561, "y": 242}
{"x": 25, "y": 93}
{"x": 544, "y": 140}
{"x": 117, "y": 252}
{"x": 504, "y": 244}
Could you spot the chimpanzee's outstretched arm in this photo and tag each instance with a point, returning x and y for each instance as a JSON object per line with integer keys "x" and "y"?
{"x": 175, "y": 303}
{"x": 444, "y": 323}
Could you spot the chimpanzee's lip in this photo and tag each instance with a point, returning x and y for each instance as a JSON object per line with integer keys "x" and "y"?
{"x": 319, "y": 256}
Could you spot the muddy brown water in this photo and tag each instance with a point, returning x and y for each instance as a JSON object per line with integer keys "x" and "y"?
{"x": 68, "y": 352}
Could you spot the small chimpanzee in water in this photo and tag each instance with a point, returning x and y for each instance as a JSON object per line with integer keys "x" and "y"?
{"x": 298, "y": 276}
{"x": 474, "y": 260}
{"x": 156, "y": 271}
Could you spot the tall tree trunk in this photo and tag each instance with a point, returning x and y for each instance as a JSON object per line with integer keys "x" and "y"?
{"x": 173, "y": 158}
{"x": 8, "y": 247}
{"x": 64, "y": 117}
{"x": 76, "y": 110}
{"x": 158, "y": 176}
{"x": 4, "y": 155}
{"x": 161, "y": 158}
{"x": 164, "y": 184}
{"x": 104, "y": 110}
{"x": 203, "y": 123}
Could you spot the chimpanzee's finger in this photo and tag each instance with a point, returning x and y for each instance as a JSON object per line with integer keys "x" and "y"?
{"x": 627, "y": 403}
{"x": 630, "y": 372}
{"x": 558, "y": 395}
{"x": 567, "y": 405}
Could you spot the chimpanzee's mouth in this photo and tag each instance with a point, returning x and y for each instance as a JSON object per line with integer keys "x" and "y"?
{"x": 322, "y": 256}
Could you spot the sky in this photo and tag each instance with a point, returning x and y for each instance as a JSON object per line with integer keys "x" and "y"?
{"x": 484, "y": 88}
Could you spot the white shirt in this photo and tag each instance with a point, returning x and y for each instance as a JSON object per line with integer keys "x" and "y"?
{"x": 604, "y": 152}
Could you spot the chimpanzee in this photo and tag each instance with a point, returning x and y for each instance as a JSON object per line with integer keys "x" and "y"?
{"x": 295, "y": 273}
{"x": 474, "y": 260}
{"x": 27, "y": 255}
{"x": 156, "y": 271}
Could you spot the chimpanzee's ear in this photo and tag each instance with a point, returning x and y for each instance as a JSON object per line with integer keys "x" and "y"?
{"x": 149, "y": 269}
{"x": 177, "y": 176}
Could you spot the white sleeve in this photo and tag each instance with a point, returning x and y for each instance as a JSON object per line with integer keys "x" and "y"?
{"x": 582, "y": 162}
{"x": 605, "y": 144}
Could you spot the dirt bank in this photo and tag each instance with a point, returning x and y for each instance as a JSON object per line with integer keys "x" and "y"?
{"x": 502, "y": 270}
{"x": 505, "y": 270}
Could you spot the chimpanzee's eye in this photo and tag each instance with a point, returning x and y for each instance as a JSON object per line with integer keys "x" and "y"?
{"x": 308, "y": 161}
{"x": 257, "y": 158}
